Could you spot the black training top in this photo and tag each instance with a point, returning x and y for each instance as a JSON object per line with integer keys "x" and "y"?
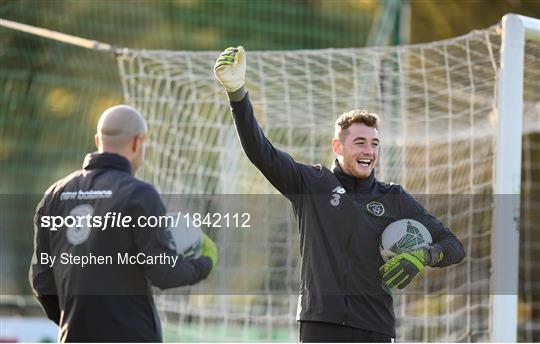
{"x": 108, "y": 300}
{"x": 340, "y": 221}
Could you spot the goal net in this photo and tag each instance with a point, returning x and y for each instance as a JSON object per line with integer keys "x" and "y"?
{"x": 437, "y": 102}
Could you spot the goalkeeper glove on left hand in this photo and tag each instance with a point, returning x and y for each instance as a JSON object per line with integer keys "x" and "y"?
{"x": 209, "y": 250}
{"x": 400, "y": 270}
{"x": 230, "y": 69}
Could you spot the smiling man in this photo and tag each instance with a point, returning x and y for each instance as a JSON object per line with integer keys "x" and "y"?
{"x": 341, "y": 212}
{"x": 356, "y": 142}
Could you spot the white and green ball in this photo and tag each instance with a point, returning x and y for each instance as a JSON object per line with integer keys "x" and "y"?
{"x": 188, "y": 241}
{"x": 402, "y": 236}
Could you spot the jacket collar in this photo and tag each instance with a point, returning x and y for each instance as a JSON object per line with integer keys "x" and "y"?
{"x": 352, "y": 183}
{"x": 106, "y": 160}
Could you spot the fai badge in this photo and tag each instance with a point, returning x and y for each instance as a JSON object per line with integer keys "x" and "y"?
{"x": 375, "y": 208}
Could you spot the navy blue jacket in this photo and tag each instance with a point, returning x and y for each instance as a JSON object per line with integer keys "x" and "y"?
{"x": 339, "y": 240}
{"x": 108, "y": 302}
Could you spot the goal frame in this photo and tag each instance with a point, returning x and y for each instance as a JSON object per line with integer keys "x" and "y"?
{"x": 505, "y": 239}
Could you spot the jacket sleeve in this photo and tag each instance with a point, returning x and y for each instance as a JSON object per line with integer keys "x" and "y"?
{"x": 155, "y": 241}
{"x": 41, "y": 275}
{"x": 277, "y": 166}
{"x": 452, "y": 248}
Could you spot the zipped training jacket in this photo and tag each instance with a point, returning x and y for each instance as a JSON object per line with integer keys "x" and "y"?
{"x": 340, "y": 220}
{"x": 105, "y": 302}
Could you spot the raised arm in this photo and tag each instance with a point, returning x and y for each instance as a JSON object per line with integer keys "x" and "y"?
{"x": 277, "y": 166}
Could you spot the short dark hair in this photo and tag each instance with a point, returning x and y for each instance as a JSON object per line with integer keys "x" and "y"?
{"x": 355, "y": 116}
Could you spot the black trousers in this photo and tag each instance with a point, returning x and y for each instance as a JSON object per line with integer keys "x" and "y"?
{"x": 322, "y": 332}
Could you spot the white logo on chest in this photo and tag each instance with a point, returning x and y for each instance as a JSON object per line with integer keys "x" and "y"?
{"x": 375, "y": 208}
{"x": 336, "y": 196}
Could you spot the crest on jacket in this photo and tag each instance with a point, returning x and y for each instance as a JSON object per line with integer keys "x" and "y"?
{"x": 375, "y": 208}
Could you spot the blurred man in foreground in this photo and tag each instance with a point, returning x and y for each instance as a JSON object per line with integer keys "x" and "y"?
{"x": 93, "y": 277}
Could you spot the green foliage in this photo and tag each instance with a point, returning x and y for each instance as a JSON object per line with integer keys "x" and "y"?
{"x": 53, "y": 93}
{"x": 435, "y": 20}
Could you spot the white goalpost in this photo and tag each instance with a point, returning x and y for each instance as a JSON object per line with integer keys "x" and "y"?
{"x": 456, "y": 116}
{"x": 516, "y": 30}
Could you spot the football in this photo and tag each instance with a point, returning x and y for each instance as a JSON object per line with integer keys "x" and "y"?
{"x": 403, "y": 235}
{"x": 188, "y": 241}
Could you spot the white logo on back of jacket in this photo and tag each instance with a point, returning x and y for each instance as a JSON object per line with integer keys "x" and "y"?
{"x": 79, "y": 232}
{"x": 336, "y": 196}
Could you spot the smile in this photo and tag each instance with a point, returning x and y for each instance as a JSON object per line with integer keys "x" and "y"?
{"x": 364, "y": 162}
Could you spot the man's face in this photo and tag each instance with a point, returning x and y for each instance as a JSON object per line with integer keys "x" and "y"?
{"x": 358, "y": 152}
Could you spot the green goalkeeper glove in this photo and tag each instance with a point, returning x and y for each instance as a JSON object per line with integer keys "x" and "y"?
{"x": 230, "y": 69}
{"x": 401, "y": 269}
{"x": 209, "y": 250}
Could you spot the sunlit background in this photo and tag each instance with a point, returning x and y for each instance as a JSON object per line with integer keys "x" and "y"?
{"x": 52, "y": 95}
